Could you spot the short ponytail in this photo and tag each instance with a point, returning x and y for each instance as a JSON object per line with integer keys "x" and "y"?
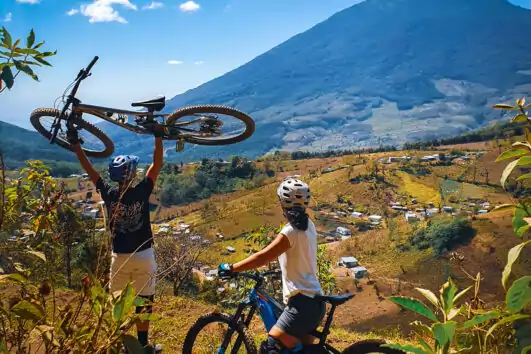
{"x": 297, "y": 217}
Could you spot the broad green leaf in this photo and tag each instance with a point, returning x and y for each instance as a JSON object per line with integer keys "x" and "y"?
{"x": 444, "y": 332}
{"x": 27, "y": 51}
{"x": 504, "y": 207}
{"x": 28, "y": 310}
{"x": 47, "y": 54}
{"x": 37, "y": 254}
{"x": 508, "y": 169}
{"x": 503, "y": 321}
{"x": 31, "y": 39}
{"x": 504, "y": 106}
{"x": 25, "y": 69}
{"x": 524, "y": 161}
{"x": 17, "y": 42}
{"x": 7, "y": 77}
{"x": 454, "y": 312}
{"x": 413, "y": 305}
{"x": 448, "y": 292}
{"x": 479, "y": 319}
{"x": 520, "y": 102}
{"x": 42, "y": 61}
{"x": 406, "y": 348}
{"x": 37, "y": 46}
{"x": 461, "y": 294}
{"x": 512, "y": 256}
{"x": 140, "y": 301}
{"x": 132, "y": 344}
{"x": 124, "y": 304}
{"x": 14, "y": 276}
{"x": 518, "y": 220}
{"x": 6, "y": 38}
{"x": 429, "y": 295}
{"x": 519, "y": 118}
{"x": 524, "y": 176}
{"x": 527, "y": 350}
{"x": 510, "y": 154}
{"x": 521, "y": 230}
{"x": 519, "y": 294}
{"x": 3, "y": 348}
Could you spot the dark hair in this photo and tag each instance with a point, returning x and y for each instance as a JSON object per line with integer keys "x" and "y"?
{"x": 297, "y": 217}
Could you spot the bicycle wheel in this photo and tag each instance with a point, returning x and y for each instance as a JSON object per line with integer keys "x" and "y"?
{"x": 95, "y": 142}
{"x": 237, "y": 127}
{"x": 208, "y": 332}
{"x": 370, "y": 346}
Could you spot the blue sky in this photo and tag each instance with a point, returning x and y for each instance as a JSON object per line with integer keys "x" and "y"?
{"x": 147, "y": 48}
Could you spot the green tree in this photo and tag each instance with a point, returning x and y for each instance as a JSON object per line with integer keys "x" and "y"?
{"x": 16, "y": 59}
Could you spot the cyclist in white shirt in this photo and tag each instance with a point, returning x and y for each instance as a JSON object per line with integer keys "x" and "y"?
{"x": 296, "y": 249}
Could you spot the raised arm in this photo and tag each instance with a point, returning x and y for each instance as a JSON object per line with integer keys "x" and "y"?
{"x": 154, "y": 169}
{"x": 85, "y": 163}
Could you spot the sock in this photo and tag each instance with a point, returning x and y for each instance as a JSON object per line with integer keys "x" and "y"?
{"x": 143, "y": 338}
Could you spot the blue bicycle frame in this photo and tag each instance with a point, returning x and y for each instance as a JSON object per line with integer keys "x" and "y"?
{"x": 269, "y": 310}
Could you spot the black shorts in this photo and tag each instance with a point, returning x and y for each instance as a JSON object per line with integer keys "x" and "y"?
{"x": 302, "y": 315}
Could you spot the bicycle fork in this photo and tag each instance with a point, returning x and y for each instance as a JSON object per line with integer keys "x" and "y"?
{"x": 232, "y": 325}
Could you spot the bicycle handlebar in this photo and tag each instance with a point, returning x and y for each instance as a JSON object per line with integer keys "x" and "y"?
{"x": 89, "y": 67}
{"x": 258, "y": 277}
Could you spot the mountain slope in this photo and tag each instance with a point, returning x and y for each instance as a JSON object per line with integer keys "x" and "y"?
{"x": 18, "y": 144}
{"x": 382, "y": 71}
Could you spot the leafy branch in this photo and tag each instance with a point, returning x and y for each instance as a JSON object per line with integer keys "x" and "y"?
{"x": 16, "y": 59}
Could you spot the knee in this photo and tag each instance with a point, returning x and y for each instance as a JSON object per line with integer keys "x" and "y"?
{"x": 271, "y": 346}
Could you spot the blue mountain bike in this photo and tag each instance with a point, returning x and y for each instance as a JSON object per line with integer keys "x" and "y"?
{"x": 222, "y": 333}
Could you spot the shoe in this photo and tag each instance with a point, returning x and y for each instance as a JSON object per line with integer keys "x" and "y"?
{"x": 153, "y": 349}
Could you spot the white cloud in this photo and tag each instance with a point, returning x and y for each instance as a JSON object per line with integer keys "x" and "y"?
{"x": 103, "y": 11}
{"x": 153, "y": 6}
{"x": 8, "y": 17}
{"x": 72, "y": 12}
{"x": 199, "y": 62}
{"x": 175, "y": 62}
{"x": 33, "y": 2}
{"x": 189, "y": 6}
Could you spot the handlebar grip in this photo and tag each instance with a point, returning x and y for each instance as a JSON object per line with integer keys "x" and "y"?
{"x": 87, "y": 70}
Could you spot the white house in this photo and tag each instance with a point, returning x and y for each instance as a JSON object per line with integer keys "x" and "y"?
{"x": 482, "y": 211}
{"x": 342, "y": 213}
{"x": 375, "y": 218}
{"x": 343, "y": 231}
{"x": 91, "y": 213}
{"x": 411, "y": 217}
{"x": 356, "y": 214}
{"x": 398, "y": 207}
{"x": 447, "y": 209}
{"x": 358, "y": 272}
{"x": 231, "y": 249}
{"x": 348, "y": 262}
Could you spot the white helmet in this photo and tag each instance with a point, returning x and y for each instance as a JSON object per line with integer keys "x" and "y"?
{"x": 293, "y": 192}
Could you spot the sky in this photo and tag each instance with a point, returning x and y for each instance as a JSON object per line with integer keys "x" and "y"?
{"x": 146, "y": 48}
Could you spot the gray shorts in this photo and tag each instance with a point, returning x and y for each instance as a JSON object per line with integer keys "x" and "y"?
{"x": 301, "y": 315}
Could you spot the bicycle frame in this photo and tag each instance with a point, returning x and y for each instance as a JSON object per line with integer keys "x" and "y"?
{"x": 269, "y": 310}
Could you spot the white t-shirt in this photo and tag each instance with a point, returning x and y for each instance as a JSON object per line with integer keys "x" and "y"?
{"x": 299, "y": 262}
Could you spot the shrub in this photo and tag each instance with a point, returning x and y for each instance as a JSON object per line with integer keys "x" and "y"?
{"x": 442, "y": 235}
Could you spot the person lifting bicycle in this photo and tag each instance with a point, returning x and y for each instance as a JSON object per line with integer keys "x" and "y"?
{"x": 128, "y": 219}
{"x": 296, "y": 249}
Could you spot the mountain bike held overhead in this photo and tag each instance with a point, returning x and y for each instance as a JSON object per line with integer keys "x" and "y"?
{"x": 201, "y": 125}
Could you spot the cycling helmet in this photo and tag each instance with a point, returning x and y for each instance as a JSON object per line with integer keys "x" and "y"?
{"x": 123, "y": 167}
{"x": 293, "y": 192}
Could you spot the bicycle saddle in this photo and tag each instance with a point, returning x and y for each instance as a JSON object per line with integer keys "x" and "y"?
{"x": 335, "y": 300}
{"x": 154, "y": 105}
